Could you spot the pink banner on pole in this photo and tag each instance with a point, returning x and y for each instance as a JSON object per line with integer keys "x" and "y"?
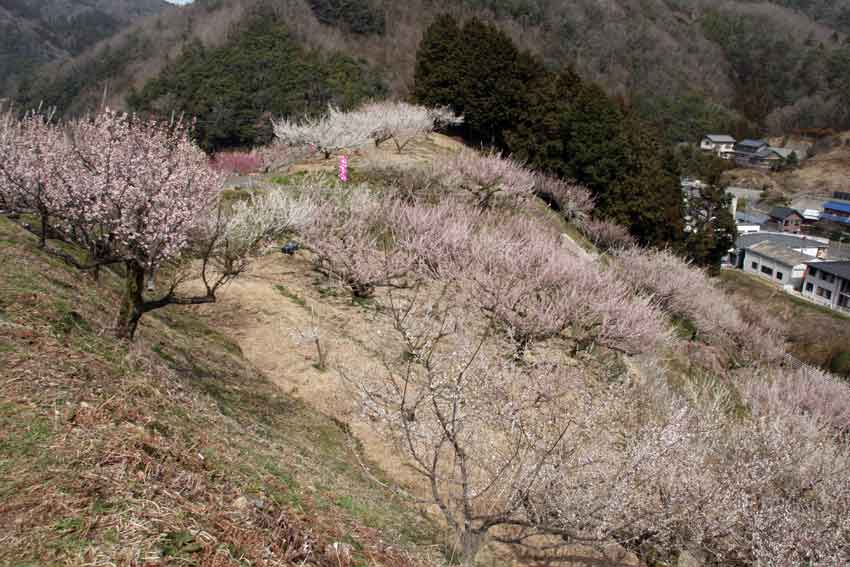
{"x": 343, "y": 169}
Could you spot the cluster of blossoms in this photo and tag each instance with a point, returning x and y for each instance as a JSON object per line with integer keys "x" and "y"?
{"x": 687, "y": 292}
{"x": 130, "y": 191}
{"x": 121, "y": 186}
{"x": 533, "y": 447}
{"x": 373, "y": 122}
{"x": 487, "y": 176}
{"x": 239, "y": 163}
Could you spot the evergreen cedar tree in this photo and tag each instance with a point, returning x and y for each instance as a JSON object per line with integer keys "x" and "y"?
{"x": 555, "y": 122}
{"x": 261, "y": 72}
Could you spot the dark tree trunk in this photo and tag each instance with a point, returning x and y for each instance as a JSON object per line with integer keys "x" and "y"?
{"x": 133, "y": 302}
{"x": 42, "y": 235}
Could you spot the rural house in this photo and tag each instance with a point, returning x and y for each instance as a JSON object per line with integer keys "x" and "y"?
{"x": 720, "y": 144}
{"x": 746, "y": 149}
{"x": 748, "y": 222}
{"x": 786, "y": 220}
{"x": 783, "y": 266}
{"x": 828, "y": 283}
{"x": 770, "y": 157}
{"x": 806, "y": 245}
{"x": 836, "y": 211}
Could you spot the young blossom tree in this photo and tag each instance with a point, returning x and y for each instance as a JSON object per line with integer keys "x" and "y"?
{"x": 328, "y": 134}
{"x": 437, "y": 236}
{"x": 486, "y": 176}
{"x": 354, "y": 243}
{"x": 607, "y": 235}
{"x": 402, "y": 122}
{"x": 574, "y": 202}
{"x": 34, "y": 167}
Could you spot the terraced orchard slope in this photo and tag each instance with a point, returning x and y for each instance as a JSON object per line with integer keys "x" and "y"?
{"x": 171, "y": 451}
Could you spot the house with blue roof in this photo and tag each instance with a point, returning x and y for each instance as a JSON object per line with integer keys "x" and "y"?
{"x": 836, "y": 211}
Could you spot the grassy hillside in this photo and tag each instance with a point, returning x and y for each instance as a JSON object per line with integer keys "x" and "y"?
{"x": 690, "y": 65}
{"x": 219, "y": 437}
{"x": 816, "y": 335}
{"x": 172, "y": 451}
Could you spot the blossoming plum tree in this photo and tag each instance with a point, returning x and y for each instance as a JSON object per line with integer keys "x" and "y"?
{"x": 377, "y": 121}
{"x": 486, "y": 176}
{"x": 534, "y": 289}
{"x": 353, "y": 242}
{"x": 138, "y": 193}
{"x": 574, "y": 202}
{"x": 519, "y": 453}
{"x": 34, "y": 169}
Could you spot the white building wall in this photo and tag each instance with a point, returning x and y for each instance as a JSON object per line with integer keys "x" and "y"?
{"x": 755, "y": 263}
{"x": 748, "y": 228}
{"x": 819, "y": 284}
{"x": 813, "y": 252}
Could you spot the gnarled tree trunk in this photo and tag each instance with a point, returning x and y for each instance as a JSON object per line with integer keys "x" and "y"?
{"x": 133, "y": 301}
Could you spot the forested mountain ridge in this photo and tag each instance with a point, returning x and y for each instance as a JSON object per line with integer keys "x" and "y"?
{"x": 35, "y": 32}
{"x": 688, "y": 65}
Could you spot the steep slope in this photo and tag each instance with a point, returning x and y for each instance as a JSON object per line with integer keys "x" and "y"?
{"x": 172, "y": 451}
{"x": 35, "y": 32}
{"x": 691, "y": 65}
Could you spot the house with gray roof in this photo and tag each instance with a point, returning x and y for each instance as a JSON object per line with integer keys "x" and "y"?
{"x": 747, "y": 222}
{"x": 812, "y": 246}
{"x": 721, "y": 144}
{"x": 809, "y": 207}
{"x": 786, "y": 219}
{"x": 828, "y": 283}
{"x": 780, "y": 265}
{"x": 809, "y": 246}
{"x": 746, "y": 149}
{"x": 770, "y": 157}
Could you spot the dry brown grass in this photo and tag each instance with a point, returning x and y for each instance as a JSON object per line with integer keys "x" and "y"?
{"x": 815, "y": 334}
{"x": 174, "y": 451}
{"x": 818, "y": 176}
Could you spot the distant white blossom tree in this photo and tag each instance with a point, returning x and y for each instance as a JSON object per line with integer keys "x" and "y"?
{"x": 378, "y": 122}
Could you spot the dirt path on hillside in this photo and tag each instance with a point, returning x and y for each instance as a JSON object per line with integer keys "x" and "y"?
{"x": 263, "y": 312}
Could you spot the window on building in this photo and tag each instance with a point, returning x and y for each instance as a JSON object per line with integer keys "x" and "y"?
{"x": 810, "y": 286}
{"x": 825, "y": 293}
{"x": 766, "y": 270}
{"x": 779, "y": 275}
{"x": 813, "y": 272}
{"x": 755, "y": 265}
{"x": 844, "y": 301}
